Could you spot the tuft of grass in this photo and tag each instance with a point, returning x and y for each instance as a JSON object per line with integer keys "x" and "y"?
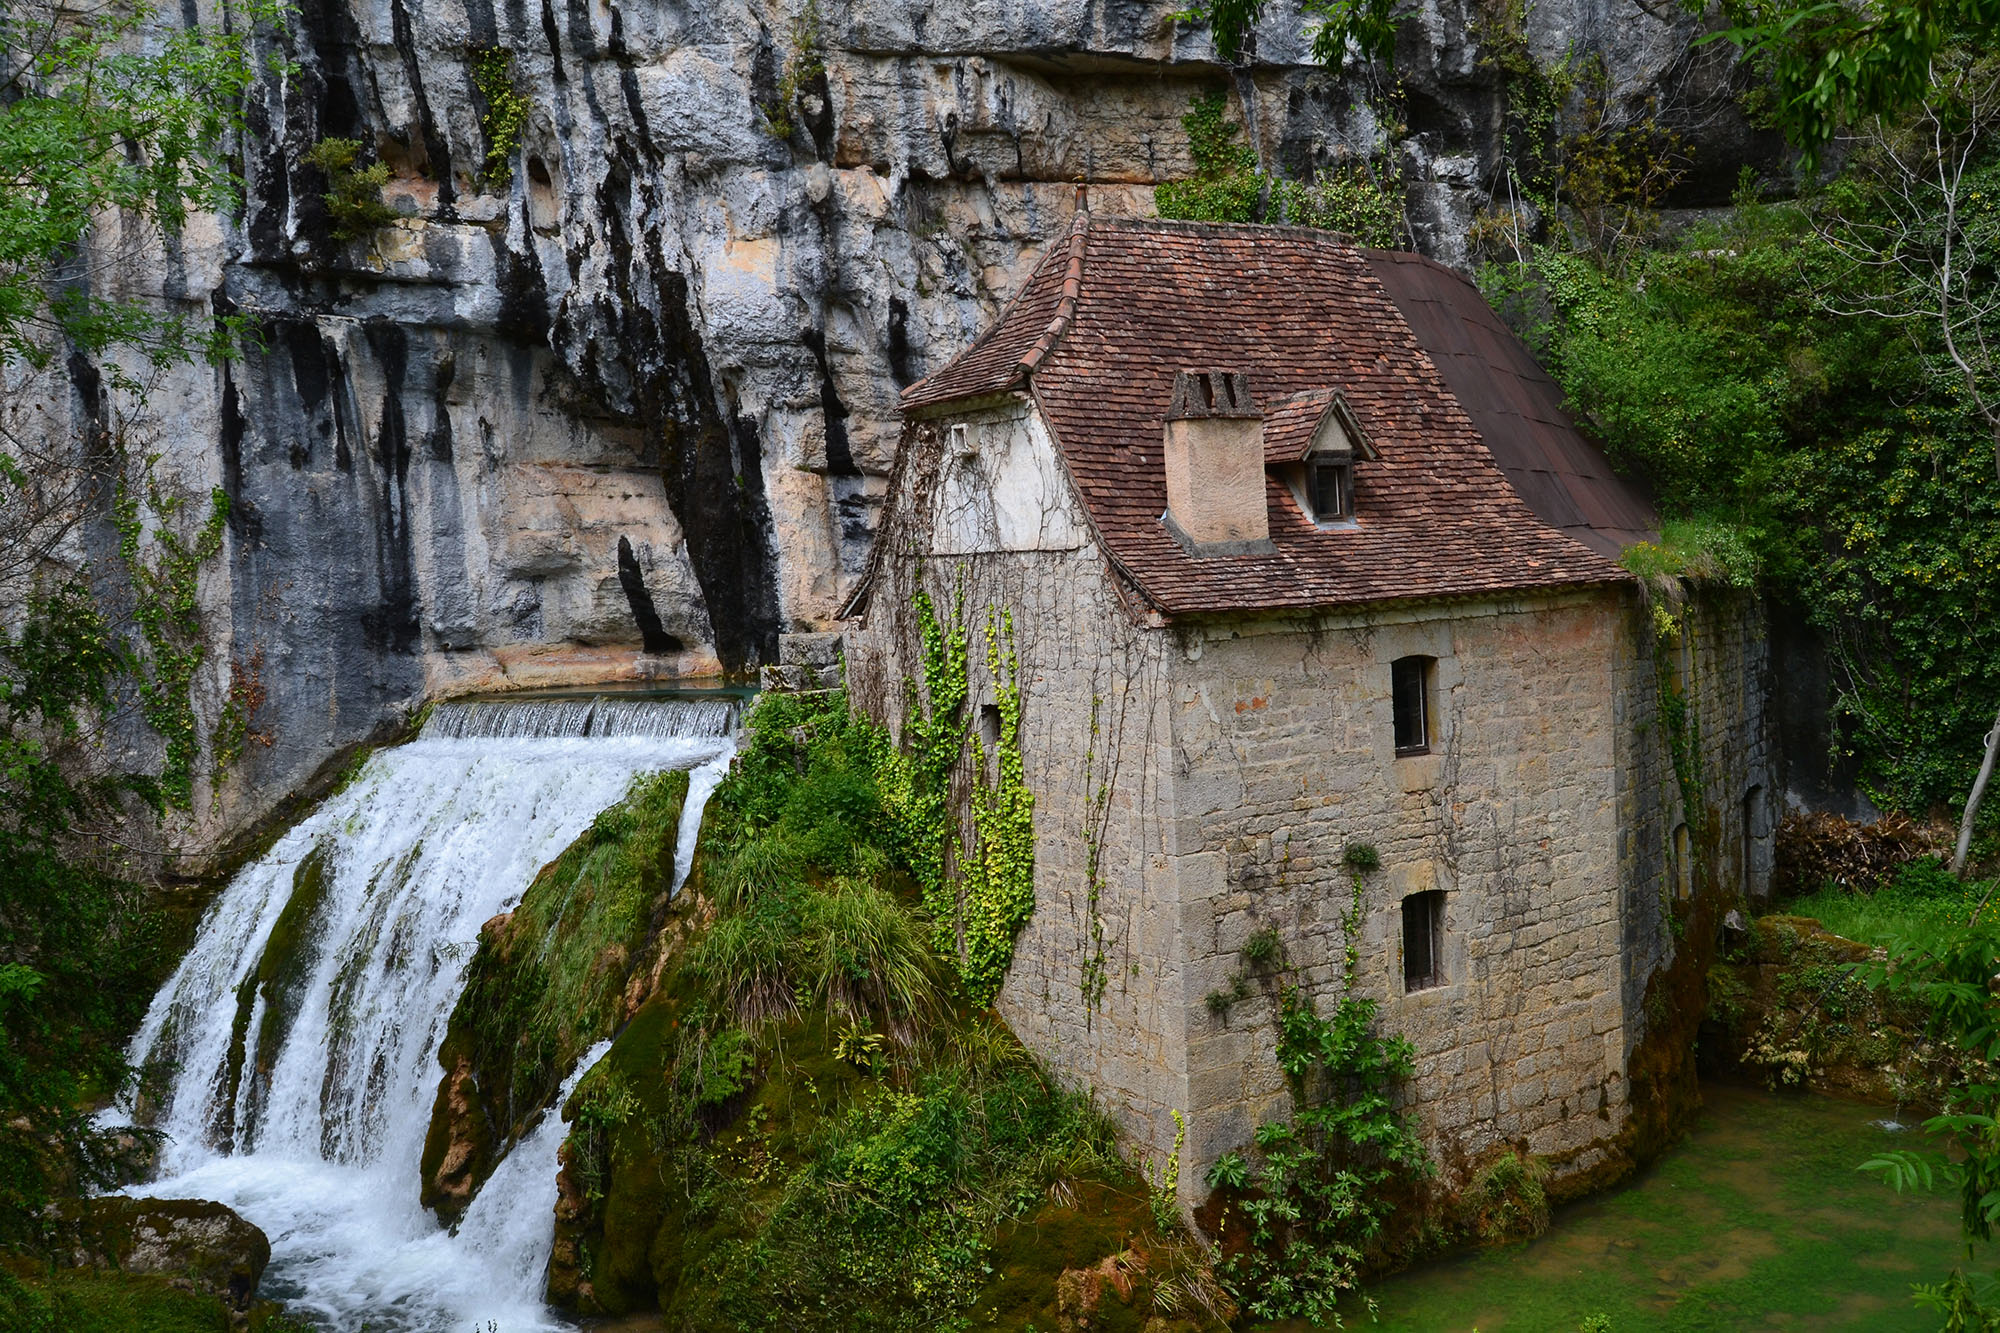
{"x": 1704, "y": 550}
{"x": 1923, "y": 905}
{"x": 859, "y": 951}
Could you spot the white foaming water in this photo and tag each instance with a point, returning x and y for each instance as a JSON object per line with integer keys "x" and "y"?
{"x": 310, "y": 1118}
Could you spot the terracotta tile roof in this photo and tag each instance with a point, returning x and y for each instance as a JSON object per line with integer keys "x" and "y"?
{"x": 1105, "y": 322}
{"x": 1518, "y": 409}
{"x": 1289, "y": 426}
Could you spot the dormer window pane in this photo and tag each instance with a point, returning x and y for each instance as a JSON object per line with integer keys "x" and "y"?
{"x": 1330, "y": 483}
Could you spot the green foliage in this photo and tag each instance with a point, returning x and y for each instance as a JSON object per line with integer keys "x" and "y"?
{"x": 112, "y": 117}
{"x": 814, "y": 1138}
{"x": 1508, "y": 1199}
{"x": 1832, "y": 64}
{"x": 792, "y": 852}
{"x": 354, "y": 193}
{"x": 1325, "y": 1180}
{"x": 999, "y": 888}
{"x": 1163, "y": 1195}
{"x": 1362, "y": 857}
{"x": 917, "y": 786}
{"x": 505, "y": 114}
{"x": 85, "y": 1301}
{"x": 1321, "y": 1186}
{"x": 1705, "y": 550}
{"x": 805, "y": 65}
{"x": 1819, "y": 451}
{"x": 167, "y": 609}
{"x": 96, "y": 121}
{"x": 1925, "y": 903}
{"x": 1227, "y": 187}
{"x": 1366, "y": 27}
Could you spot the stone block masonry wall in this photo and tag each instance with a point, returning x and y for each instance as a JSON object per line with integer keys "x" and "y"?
{"x": 1720, "y": 664}
{"x": 1284, "y": 757}
{"x": 1096, "y": 989}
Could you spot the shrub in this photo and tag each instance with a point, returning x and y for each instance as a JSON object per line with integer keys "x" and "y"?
{"x": 353, "y": 198}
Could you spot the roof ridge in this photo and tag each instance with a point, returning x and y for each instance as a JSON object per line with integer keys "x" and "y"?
{"x": 1065, "y": 315}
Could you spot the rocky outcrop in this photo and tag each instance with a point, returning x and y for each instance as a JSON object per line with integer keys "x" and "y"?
{"x": 195, "y": 1244}
{"x": 561, "y": 971}
{"x": 623, "y": 404}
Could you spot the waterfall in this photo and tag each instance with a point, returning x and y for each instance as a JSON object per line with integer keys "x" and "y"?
{"x": 301, "y": 1031}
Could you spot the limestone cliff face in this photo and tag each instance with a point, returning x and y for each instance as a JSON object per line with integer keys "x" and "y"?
{"x": 629, "y": 411}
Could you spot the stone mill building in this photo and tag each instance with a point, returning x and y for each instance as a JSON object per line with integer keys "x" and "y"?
{"x": 1303, "y": 555}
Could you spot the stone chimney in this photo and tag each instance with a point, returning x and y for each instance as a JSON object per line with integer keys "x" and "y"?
{"x": 1214, "y": 450}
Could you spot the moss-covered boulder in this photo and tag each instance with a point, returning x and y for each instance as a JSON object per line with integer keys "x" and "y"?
{"x": 551, "y": 978}
{"x": 201, "y": 1246}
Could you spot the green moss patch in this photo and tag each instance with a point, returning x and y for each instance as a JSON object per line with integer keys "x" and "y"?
{"x": 810, "y": 1126}
{"x": 1759, "y": 1220}
{"x": 548, "y": 981}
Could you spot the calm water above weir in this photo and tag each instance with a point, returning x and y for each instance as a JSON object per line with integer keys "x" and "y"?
{"x": 1759, "y": 1220}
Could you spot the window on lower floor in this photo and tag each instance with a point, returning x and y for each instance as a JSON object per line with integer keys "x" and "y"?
{"x": 1423, "y": 940}
{"x": 1410, "y": 685}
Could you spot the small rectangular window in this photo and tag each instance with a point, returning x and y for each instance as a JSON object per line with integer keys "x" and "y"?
{"x": 1410, "y": 684}
{"x": 1423, "y": 940}
{"x": 1330, "y": 490}
{"x": 989, "y": 726}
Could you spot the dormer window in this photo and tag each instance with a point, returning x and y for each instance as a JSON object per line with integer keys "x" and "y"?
{"x": 1332, "y": 492}
{"x": 1313, "y": 442}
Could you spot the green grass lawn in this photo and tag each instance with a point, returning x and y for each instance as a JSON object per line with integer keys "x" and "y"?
{"x": 1759, "y": 1220}
{"x": 1924, "y": 902}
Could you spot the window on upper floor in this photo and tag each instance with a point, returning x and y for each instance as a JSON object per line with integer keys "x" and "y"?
{"x": 1331, "y": 481}
{"x": 1423, "y": 940}
{"x": 1410, "y": 689}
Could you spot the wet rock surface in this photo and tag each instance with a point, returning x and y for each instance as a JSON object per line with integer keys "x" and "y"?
{"x": 624, "y": 406}
{"x": 195, "y": 1244}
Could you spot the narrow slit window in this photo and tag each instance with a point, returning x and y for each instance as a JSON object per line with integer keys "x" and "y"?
{"x": 1423, "y": 940}
{"x": 989, "y": 726}
{"x": 1753, "y": 836}
{"x": 1410, "y": 685}
{"x": 1683, "y": 867}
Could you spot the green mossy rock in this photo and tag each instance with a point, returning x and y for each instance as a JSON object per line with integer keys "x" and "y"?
{"x": 551, "y": 978}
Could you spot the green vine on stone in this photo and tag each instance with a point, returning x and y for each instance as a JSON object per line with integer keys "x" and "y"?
{"x": 167, "y": 607}
{"x": 1324, "y": 1181}
{"x": 934, "y": 738}
{"x": 506, "y": 111}
{"x": 1680, "y": 724}
{"x": 1000, "y": 874}
{"x": 1096, "y": 802}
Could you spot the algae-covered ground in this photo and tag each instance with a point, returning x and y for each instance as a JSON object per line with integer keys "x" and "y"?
{"x": 1760, "y": 1220}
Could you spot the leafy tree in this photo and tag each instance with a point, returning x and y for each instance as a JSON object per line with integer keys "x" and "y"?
{"x": 1365, "y": 26}
{"x": 1832, "y": 63}
{"x": 115, "y": 125}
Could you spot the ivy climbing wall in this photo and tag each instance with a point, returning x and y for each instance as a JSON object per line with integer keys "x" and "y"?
{"x": 983, "y": 530}
{"x": 1199, "y": 799}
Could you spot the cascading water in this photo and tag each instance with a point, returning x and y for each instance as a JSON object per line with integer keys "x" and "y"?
{"x": 302, "y": 1029}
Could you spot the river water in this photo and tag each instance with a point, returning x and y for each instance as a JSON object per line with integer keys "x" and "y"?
{"x": 310, "y": 1118}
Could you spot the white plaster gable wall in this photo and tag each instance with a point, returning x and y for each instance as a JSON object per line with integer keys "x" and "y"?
{"x": 1003, "y": 487}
